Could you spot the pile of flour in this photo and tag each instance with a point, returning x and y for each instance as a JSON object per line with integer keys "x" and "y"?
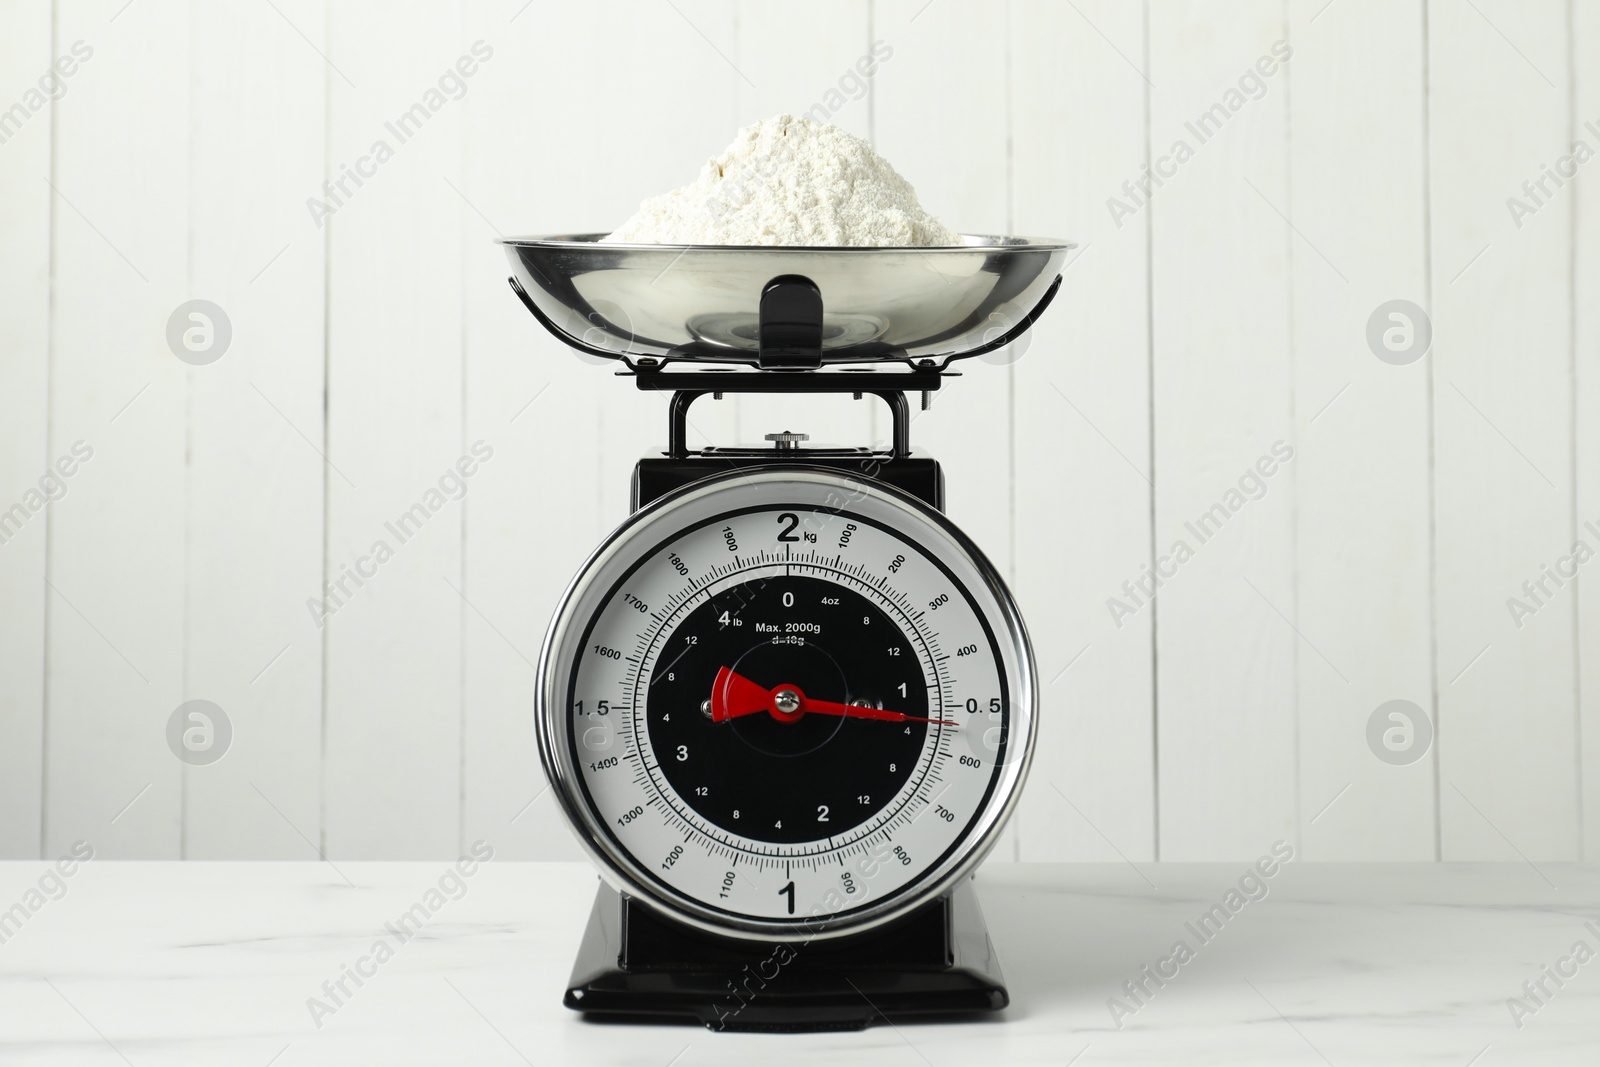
{"x": 789, "y": 181}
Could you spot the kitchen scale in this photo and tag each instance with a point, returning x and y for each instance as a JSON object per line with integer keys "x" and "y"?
{"x": 787, "y": 706}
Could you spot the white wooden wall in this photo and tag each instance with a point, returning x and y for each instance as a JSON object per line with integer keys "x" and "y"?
{"x": 1227, "y": 314}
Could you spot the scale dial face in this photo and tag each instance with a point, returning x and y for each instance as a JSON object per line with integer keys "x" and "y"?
{"x": 786, "y": 703}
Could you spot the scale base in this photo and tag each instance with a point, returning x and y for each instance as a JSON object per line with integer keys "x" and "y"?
{"x": 639, "y": 966}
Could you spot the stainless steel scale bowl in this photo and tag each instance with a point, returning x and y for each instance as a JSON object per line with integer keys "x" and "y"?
{"x": 702, "y": 303}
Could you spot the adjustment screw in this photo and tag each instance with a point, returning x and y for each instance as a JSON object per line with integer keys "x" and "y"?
{"x": 705, "y": 708}
{"x": 785, "y": 441}
{"x": 786, "y": 701}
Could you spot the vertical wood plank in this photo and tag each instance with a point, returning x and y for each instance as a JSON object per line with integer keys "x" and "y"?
{"x": 26, "y": 55}
{"x": 115, "y": 634}
{"x": 392, "y": 735}
{"x": 692, "y": 113}
{"x": 255, "y": 483}
{"x": 1083, "y": 431}
{"x": 1226, "y": 648}
{"x": 943, "y": 126}
{"x": 1358, "y": 187}
{"x": 806, "y": 67}
{"x": 800, "y": 67}
{"x": 566, "y": 433}
{"x": 1585, "y": 36}
{"x": 942, "y": 119}
{"x": 534, "y": 512}
{"x": 1503, "y": 420}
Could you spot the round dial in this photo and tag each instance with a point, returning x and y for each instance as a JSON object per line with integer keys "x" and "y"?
{"x": 786, "y": 703}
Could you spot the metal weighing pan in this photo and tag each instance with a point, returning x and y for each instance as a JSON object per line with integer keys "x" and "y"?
{"x": 701, "y": 303}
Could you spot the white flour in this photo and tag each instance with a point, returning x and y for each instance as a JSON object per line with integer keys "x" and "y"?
{"x": 789, "y": 181}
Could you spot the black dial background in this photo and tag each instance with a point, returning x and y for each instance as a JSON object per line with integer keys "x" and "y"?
{"x": 778, "y": 775}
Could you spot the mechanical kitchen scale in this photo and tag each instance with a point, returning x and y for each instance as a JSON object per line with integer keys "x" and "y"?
{"x": 787, "y": 706}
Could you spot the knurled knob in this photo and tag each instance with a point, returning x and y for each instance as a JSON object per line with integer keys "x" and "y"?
{"x": 787, "y": 440}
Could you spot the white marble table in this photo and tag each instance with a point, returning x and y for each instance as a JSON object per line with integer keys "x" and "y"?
{"x": 214, "y": 963}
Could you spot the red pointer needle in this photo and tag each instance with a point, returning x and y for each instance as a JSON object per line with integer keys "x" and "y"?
{"x": 733, "y": 696}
